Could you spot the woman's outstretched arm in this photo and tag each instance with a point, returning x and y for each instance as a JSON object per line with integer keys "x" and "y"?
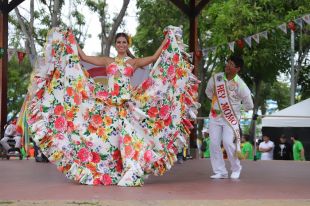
{"x": 99, "y": 61}
{"x": 141, "y": 62}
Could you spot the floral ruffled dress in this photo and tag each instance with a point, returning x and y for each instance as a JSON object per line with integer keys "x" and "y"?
{"x": 116, "y": 135}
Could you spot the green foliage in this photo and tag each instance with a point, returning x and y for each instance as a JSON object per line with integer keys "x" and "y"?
{"x": 154, "y": 16}
{"x": 18, "y": 81}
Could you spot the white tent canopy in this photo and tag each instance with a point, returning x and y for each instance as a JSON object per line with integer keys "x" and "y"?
{"x": 297, "y": 115}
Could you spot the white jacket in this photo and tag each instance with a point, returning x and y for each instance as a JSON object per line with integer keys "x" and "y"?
{"x": 238, "y": 93}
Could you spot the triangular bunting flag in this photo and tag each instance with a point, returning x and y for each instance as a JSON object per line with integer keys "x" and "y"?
{"x": 256, "y": 38}
{"x": 21, "y": 56}
{"x": 306, "y": 18}
{"x": 248, "y": 40}
{"x": 1, "y": 52}
{"x": 231, "y": 46}
{"x": 264, "y": 34}
{"x": 11, "y": 53}
{"x": 298, "y": 21}
{"x": 283, "y": 27}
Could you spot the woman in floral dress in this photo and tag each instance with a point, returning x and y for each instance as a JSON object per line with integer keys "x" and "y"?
{"x": 116, "y": 135}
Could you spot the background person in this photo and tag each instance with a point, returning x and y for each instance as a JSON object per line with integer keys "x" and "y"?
{"x": 266, "y": 148}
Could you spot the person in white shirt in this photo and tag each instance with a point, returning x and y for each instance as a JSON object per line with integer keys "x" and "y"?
{"x": 266, "y": 148}
{"x": 219, "y": 128}
{"x": 10, "y": 132}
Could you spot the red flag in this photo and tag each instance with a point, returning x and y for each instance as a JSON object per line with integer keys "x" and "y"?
{"x": 21, "y": 56}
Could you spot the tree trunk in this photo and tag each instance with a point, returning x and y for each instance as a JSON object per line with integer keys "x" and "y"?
{"x": 107, "y": 40}
{"x": 55, "y": 13}
{"x": 30, "y": 42}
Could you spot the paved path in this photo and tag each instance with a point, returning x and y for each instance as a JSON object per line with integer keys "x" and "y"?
{"x": 262, "y": 182}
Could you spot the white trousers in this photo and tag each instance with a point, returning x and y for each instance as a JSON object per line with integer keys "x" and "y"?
{"x": 6, "y": 146}
{"x": 219, "y": 132}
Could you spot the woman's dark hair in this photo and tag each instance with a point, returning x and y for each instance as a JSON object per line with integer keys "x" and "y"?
{"x": 237, "y": 60}
{"x": 122, "y": 34}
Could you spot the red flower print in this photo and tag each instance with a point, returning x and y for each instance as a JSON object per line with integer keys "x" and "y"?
{"x": 60, "y": 136}
{"x": 116, "y": 155}
{"x": 128, "y": 71}
{"x": 96, "y": 157}
{"x": 101, "y": 131}
{"x": 71, "y": 38}
{"x": 84, "y": 95}
{"x": 69, "y": 49}
{"x": 97, "y": 181}
{"x": 103, "y": 95}
{"x": 56, "y": 74}
{"x": 70, "y": 114}
{"x": 167, "y": 121}
{"x": 147, "y": 83}
{"x": 40, "y": 93}
{"x": 112, "y": 69}
{"x": 136, "y": 155}
{"x": 187, "y": 123}
{"x": 106, "y": 179}
{"x": 213, "y": 113}
{"x": 188, "y": 101}
{"x": 153, "y": 111}
{"x": 53, "y": 52}
{"x": 77, "y": 99}
{"x": 60, "y": 124}
{"x": 116, "y": 90}
{"x": 164, "y": 112}
{"x": 175, "y": 59}
{"x": 127, "y": 139}
{"x": 91, "y": 129}
{"x": 84, "y": 155}
{"x": 195, "y": 87}
{"x": 179, "y": 72}
{"x": 91, "y": 88}
{"x": 128, "y": 151}
{"x": 70, "y": 126}
{"x": 148, "y": 156}
{"x": 119, "y": 165}
{"x": 166, "y": 45}
{"x": 96, "y": 120}
{"x": 59, "y": 110}
{"x": 159, "y": 125}
{"x": 170, "y": 71}
{"x": 70, "y": 91}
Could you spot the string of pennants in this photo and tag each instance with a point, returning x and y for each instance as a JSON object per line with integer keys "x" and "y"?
{"x": 256, "y": 37}
{"x": 11, "y": 52}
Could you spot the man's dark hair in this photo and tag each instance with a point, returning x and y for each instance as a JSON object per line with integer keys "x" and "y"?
{"x": 246, "y": 137}
{"x": 237, "y": 60}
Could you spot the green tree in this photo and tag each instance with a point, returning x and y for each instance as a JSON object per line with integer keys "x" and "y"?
{"x": 18, "y": 81}
{"x": 153, "y": 17}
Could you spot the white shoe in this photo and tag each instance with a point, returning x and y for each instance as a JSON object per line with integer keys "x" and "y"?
{"x": 219, "y": 176}
{"x": 236, "y": 174}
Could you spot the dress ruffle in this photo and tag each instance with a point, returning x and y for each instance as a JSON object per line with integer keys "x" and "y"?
{"x": 95, "y": 140}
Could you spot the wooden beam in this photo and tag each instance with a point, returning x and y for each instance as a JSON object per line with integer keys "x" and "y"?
{"x": 193, "y": 47}
{"x": 181, "y": 5}
{"x": 200, "y": 6}
{"x": 13, "y": 4}
{"x": 3, "y": 67}
{"x": 1, "y": 6}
